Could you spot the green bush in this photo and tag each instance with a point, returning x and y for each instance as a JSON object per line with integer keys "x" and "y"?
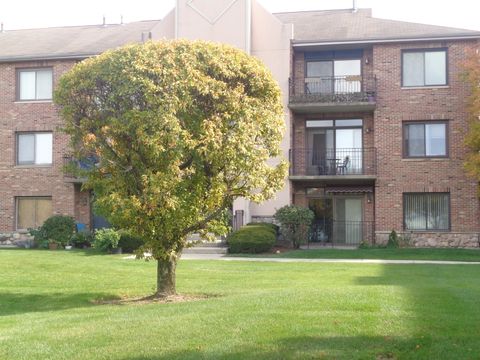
{"x": 393, "y": 241}
{"x": 128, "y": 242}
{"x": 57, "y": 228}
{"x": 251, "y": 239}
{"x": 106, "y": 239}
{"x": 270, "y": 226}
{"x": 295, "y": 223}
{"x": 82, "y": 239}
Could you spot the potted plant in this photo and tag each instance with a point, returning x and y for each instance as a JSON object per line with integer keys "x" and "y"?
{"x": 52, "y": 244}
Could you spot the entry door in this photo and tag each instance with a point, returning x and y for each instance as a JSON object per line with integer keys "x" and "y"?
{"x": 348, "y": 227}
{"x": 323, "y": 222}
{"x": 348, "y": 150}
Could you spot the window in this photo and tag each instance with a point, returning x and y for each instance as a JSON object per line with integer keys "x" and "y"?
{"x": 34, "y": 148}
{"x": 424, "y": 68}
{"x": 425, "y": 139}
{"x": 333, "y": 72}
{"x": 34, "y": 84}
{"x": 33, "y": 211}
{"x": 426, "y": 211}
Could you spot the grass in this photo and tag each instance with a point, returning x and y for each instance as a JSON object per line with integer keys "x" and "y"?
{"x": 379, "y": 253}
{"x": 256, "y": 310}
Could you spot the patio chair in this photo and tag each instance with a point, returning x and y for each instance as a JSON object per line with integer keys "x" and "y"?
{"x": 342, "y": 167}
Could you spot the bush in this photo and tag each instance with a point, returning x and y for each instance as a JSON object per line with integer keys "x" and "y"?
{"x": 106, "y": 239}
{"x": 251, "y": 239}
{"x": 128, "y": 242}
{"x": 393, "y": 241}
{"x": 270, "y": 226}
{"x": 58, "y": 228}
{"x": 295, "y": 223}
{"x": 82, "y": 239}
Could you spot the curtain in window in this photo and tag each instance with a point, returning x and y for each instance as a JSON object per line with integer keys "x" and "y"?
{"x": 426, "y": 211}
{"x": 27, "y": 85}
{"x": 26, "y": 149}
{"x": 435, "y": 66}
{"x": 435, "y": 144}
{"x": 413, "y": 69}
{"x": 43, "y": 149}
{"x": 44, "y": 84}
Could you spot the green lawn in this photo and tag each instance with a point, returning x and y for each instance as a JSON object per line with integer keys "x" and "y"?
{"x": 256, "y": 310}
{"x": 387, "y": 254}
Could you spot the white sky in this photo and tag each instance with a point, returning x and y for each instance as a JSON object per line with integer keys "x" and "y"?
{"x": 21, "y": 14}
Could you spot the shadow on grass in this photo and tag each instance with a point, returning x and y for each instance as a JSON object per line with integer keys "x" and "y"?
{"x": 16, "y": 303}
{"x": 311, "y": 347}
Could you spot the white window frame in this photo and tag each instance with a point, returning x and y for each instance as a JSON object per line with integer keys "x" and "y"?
{"x": 34, "y": 163}
{"x": 35, "y": 70}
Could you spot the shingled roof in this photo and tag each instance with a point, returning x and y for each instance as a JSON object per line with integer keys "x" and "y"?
{"x": 348, "y": 26}
{"x": 71, "y": 41}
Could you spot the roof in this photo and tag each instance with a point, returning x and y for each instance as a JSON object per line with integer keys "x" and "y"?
{"x": 348, "y": 26}
{"x": 69, "y": 42}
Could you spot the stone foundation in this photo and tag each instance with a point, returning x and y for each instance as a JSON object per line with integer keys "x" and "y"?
{"x": 433, "y": 239}
{"x": 16, "y": 239}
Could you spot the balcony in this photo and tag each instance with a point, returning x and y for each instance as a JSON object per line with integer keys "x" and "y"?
{"x": 334, "y": 165}
{"x": 72, "y": 166}
{"x": 332, "y": 94}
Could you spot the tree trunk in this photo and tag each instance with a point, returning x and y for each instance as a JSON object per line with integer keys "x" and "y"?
{"x": 166, "y": 277}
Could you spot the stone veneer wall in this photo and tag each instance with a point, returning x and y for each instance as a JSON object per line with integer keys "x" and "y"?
{"x": 16, "y": 239}
{"x": 435, "y": 239}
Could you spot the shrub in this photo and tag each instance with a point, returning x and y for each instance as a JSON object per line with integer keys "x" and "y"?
{"x": 393, "y": 241}
{"x": 58, "y": 228}
{"x": 251, "y": 239}
{"x": 82, "y": 239}
{"x": 128, "y": 242}
{"x": 270, "y": 226}
{"x": 295, "y": 223}
{"x": 106, "y": 239}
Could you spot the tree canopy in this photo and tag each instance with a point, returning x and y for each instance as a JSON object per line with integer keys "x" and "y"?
{"x": 180, "y": 129}
{"x": 472, "y": 140}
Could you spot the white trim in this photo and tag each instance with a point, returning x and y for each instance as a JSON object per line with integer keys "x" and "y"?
{"x": 248, "y": 30}
{"x": 176, "y": 19}
{"x": 379, "y": 41}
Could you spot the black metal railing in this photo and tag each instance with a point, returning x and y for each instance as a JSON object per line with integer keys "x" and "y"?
{"x": 333, "y": 89}
{"x": 337, "y": 233}
{"x": 73, "y": 168}
{"x": 328, "y": 162}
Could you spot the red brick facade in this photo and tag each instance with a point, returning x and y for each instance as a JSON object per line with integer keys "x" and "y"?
{"x": 396, "y": 174}
{"x": 30, "y": 180}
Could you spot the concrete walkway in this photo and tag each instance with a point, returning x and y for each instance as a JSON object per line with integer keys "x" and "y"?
{"x": 353, "y": 261}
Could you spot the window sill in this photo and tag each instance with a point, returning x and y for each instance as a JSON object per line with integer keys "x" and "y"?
{"x": 427, "y": 231}
{"x": 33, "y": 101}
{"x": 427, "y": 159}
{"x": 33, "y": 166}
{"x": 425, "y": 87}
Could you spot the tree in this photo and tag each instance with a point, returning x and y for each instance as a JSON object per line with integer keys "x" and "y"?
{"x": 472, "y": 140}
{"x": 180, "y": 129}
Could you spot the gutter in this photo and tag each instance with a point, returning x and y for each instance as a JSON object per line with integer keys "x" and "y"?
{"x": 47, "y": 57}
{"x": 383, "y": 41}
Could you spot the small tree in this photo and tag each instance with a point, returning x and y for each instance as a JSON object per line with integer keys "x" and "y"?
{"x": 295, "y": 223}
{"x": 180, "y": 130}
{"x": 472, "y": 140}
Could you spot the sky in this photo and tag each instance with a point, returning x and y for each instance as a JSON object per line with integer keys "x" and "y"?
{"x": 24, "y": 14}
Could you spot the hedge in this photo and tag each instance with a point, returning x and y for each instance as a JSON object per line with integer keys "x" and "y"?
{"x": 252, "y": 239}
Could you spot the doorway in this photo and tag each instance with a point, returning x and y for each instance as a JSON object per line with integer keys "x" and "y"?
{"x": 338, "y": 219}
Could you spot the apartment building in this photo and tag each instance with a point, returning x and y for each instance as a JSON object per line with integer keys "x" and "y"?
{"x": 375, "y": 112}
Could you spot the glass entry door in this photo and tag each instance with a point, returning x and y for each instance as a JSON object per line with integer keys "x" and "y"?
{"x": 348, "y": 228}
{"x": 348, "y": 150}
{"x": 323, "y": 222}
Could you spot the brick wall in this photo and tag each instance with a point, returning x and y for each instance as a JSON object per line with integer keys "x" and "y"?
{"x": 31, "y": 116}
{"x": 396, "y": 105}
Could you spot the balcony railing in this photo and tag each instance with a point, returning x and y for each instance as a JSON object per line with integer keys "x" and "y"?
{"x": 333, "y": 162}
{"x": 334, "y": 232}
{"x": 71, "y": 166}
{"x": 333, "y": 89}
